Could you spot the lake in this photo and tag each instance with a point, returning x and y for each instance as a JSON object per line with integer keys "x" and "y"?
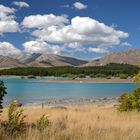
{"x": 32, "y": 91}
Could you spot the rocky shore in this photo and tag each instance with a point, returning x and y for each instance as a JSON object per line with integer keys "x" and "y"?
{"x": 76, "y": 102}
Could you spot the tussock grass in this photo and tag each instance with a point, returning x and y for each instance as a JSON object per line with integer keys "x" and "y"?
{"x": 81, "y": 123}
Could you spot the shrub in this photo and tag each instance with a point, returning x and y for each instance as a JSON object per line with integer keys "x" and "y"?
{"x": 16, "y": 124}
{"x": 92, "y": 75}
{"x": 137, "y": 78}
{"x": 2, "y": 93}
{"x": 108, "y": 77}
{"x": 31, "y": 77}
{"x": 81, "y": 75}
{"x": 42, "y": 123}
{"x": 130, "y": 102}
{"x": 123, "y": 76}
{"x": 100, "y": 75}
{"x": 125, "y": 102}
{"x": 72, "y": 76}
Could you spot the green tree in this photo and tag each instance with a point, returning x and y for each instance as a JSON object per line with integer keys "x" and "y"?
{"x": 137, "y": 78}
{"x": 130, "y": 102}
{"x": 125, "y": 101}
{"x": 2, "y": 94}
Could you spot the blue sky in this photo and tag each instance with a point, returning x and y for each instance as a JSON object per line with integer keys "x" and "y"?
{"x": 86, "y": 29}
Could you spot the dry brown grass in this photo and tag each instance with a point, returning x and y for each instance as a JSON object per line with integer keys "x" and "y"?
{"x": 83, "y": 123}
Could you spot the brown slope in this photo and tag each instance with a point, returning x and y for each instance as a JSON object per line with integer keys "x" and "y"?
{"x": 41, "y": 60}
{"x": 8, "y": 62}
{"x": 131, "y": 56}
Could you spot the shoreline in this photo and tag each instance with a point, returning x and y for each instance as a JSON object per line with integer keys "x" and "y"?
{"x": 88, "y": 81}
{"x": 69, "y": 80}
{"x": 66, "y": 102}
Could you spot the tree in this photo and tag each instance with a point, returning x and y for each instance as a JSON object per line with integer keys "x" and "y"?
{"x": 2, "y": 93}
{"x": 130, "y": 102}
{"x": 137, "y": 78}
{"x": 125, "y": 101}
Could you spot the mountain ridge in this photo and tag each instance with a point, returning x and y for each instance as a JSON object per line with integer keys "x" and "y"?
{"x": 38, "y": 60}
{"x": 131, "y": 56}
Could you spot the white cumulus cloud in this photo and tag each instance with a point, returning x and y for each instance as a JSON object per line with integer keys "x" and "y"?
{"x": 98, "y": 50}
{"x": 76, "y": 34}
{"x": 8, "y": 26}
{"x": 126, "y": 44}
{"x": 21, "y": 4}
{"x": 7, "y": 20}
{"x": 44, "y": 21}
{"x": 7, "y": 48}
{"x": 41, "y": 47}
{"x": 79, "y": 5}
{"x": 7, "y": 10}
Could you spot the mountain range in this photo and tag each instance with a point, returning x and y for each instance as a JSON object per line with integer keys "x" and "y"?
{"x": 38, "y": 60}
{"x": 131, "y": 56}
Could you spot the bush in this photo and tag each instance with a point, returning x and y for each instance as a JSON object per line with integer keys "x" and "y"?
{"x": 130, "y": 102}
{"x": 123, "y": 76}
{"x": 81, "y": 76}
{"x": 72, "y": 76}
{"x": 137, "y": 78}
{"x": 31, "y": 77}
{"x": 125, "y": 103}
{"x": 42, "y": 123}
{"x": 100, "y": 75}
{"x": 92, "y": 75}
{"x": 108, "y": 77}
{"x": 16, "y": 118}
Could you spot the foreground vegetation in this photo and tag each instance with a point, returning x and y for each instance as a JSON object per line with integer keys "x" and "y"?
{"x": 116, "y": 70}
{"x": 80, "y": 123}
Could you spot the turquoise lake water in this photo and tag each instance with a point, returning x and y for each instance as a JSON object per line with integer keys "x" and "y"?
{"x": 33, "y": 91}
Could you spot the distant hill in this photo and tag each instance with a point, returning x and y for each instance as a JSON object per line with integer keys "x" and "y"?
{"x": 38, "y": 60}
{"x": 8, "y": 62}
{"x": 131, "y": 56}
